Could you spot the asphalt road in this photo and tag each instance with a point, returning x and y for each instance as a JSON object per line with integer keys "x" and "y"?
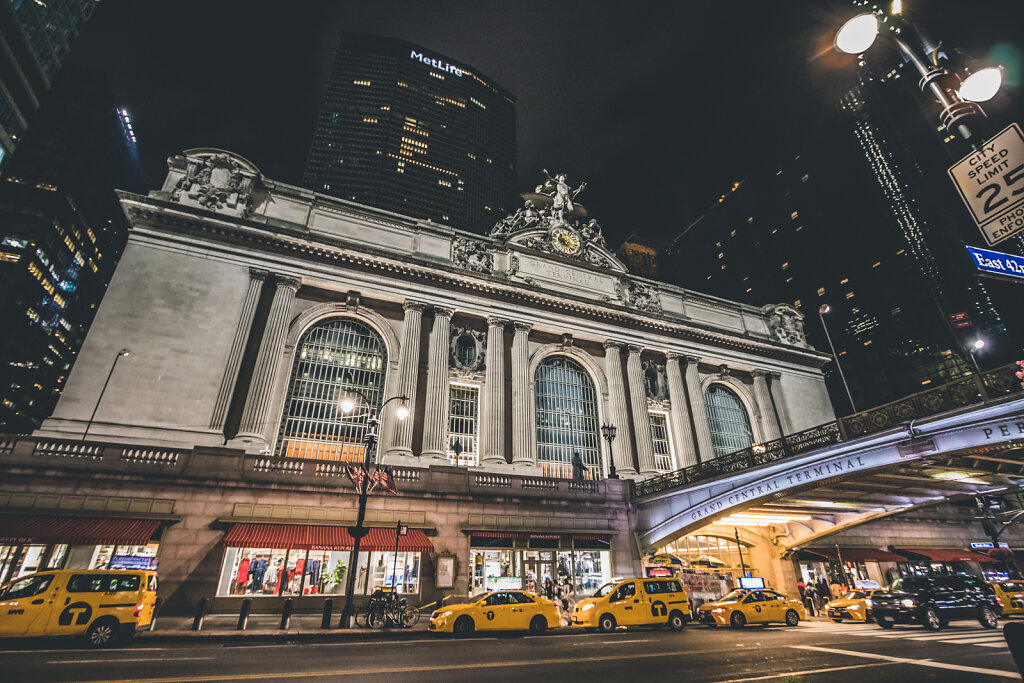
{"x": 813, "y": 651}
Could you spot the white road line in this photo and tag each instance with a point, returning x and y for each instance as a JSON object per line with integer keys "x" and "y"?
{"x": 39, "y": 652}
{"x": 916, "y": 662}
{"x": 118, "y": 661}
{"x": 794, "y": 674}
{"x": 1003, "y": 644}
{"x": 616, "y": 642}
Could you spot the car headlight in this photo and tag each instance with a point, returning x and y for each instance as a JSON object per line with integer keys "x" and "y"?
{"x": 587, "y": 606}
{"x": 908, "y": 602}
{"x": 867, "y": 602}
{"x": 442, "y": 615}
{"x": 718, "y": 609}
{"x": 854, "y": 607}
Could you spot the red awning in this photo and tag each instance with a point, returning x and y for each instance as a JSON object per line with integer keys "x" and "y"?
{"x": 539, "y": 535}
{"x": 496, "y": 534}
{"x": 943, "y": 555}
{"x": 383, "y": 540}
{"x": 857, "y": 555}
{"x": 77, "y": 530}
{"x": 291, "y": 536}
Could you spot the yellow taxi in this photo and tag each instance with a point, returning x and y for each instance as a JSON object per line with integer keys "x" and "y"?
{"x": 653, "y": 602}
{"x": 497, "y": 611}
{"x": 103, "y": 605}
{"x": 1011, "y": 596}
{"x": 853, "y": 606}
{"x": 759, "y": 606}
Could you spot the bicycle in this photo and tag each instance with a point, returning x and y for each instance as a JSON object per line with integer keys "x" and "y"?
{"x": 391, "y": 611}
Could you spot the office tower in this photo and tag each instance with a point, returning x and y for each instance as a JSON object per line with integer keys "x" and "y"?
{"x": 36, "y": 38}
{"x": 405, "y": 129}
{"x": 62, "y": 233}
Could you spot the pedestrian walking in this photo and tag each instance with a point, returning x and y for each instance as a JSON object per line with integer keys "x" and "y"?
{"x": 549, "y": 589}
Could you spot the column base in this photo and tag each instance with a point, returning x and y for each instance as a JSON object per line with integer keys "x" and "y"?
{"x": 403, "y": 459}
{"x": 250, "y": 443}
{"x": 434, "y": 457}
{"x": 527, "y": 467}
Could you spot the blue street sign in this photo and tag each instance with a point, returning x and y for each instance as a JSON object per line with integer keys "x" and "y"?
{"x": 997, "y": 263}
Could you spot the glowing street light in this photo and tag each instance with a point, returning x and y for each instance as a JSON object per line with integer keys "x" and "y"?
{"x": 978, "y": 344}
{"x": 858, "y": 34}
{"x": 982, "y": 85}
{"x": 822, "y": 311}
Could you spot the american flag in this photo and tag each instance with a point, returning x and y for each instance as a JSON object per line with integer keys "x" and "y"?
{"x": 384, "y": 478}
{"x": 356, "y": 475}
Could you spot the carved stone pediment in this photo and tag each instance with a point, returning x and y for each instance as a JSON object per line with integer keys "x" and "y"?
{"x": 217, "y": 181}
{"x": 472, "y": 255}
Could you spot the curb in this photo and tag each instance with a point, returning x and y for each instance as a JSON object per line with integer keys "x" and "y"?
{"x": 341, "y": 635}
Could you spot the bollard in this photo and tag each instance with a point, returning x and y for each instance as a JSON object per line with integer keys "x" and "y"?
{"x": 328, "y": 608}
{"x": 1013, "y": 632}
{"x": 156, "y": 611}
{"x": 286, "y": 614}
{"x": 243, "y": 614}
{"x": 197, "y": 623}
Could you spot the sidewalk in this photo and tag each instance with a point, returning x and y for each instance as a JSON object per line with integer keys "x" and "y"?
{"x": 222, "y": 627}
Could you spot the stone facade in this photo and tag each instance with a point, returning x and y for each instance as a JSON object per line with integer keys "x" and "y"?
{"x": 224, "y": 273}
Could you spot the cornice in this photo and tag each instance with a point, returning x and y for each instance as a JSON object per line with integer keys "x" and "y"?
{"x": 283, "y": 239}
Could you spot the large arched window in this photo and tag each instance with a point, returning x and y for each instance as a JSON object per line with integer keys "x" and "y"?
{"x": 728, "y": 420}
{"x": 334, "y": 357}
{"x": 566, "y": 417}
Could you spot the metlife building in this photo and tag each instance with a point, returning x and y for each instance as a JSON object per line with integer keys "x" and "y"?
{"x": 411, "y": 131}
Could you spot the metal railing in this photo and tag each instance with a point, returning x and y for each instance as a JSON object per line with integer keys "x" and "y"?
{"x": 961, "y": 393}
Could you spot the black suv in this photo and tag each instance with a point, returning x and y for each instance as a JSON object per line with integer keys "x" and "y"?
{"x": 935, "y": 601}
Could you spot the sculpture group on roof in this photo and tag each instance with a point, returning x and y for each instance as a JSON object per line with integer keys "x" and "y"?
{"x": 552, "y": 203}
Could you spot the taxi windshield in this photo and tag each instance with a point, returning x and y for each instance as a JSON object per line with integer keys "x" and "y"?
{"x": 734, "y": 596}
{"x": 1011, "y": 586}
{"x": 605, "y": 590}
{"x": 855, "y": 595}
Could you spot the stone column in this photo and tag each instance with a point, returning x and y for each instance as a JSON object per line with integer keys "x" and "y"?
{"x": 682, "y": 432}
{"x": 234, "y": 361}
{"x": 769, "y": 425}
{"x": 780, "y": 405}
{"x": 435, "y": 413}
{"x": 408, "y": 373}
{"x": 699, "y": 411}
{"x": 622, "y": 447}
{"x": 256, "y": 415}
{"x": 522, "y": 425}
{"x": 493, "y": 413}
{"x": 641, "y": 418}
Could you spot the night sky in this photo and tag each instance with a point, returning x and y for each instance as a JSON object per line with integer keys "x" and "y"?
{"x": 658, "y": 106}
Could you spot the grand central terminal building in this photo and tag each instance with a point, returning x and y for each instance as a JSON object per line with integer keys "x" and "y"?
{"x": 203, "y": 429}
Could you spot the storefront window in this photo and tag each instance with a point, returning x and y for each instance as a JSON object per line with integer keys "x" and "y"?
{"x": 278, "y": 571}
{"x": 19, "y": 560}
{"x": 508, "y": 568}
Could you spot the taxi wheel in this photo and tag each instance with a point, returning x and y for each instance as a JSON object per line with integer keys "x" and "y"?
{"x": 676, "y": 621}
{"x": 988, "y": 618}
{"x": 606, "y": 624}
{"x": 931, "y": 620}
{"x": 102, "y": 632}
{"x": 538, "y": 625}
{"x": 838, "y": 621}
{"x": 737, "y": 620}
{"x": 792, "y": 618}
{"x": 885, "y": 624}
{"x": 464, "y": 626}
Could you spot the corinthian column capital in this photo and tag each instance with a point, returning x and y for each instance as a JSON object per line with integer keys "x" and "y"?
{"x": 411, "y": 305}
{"x": 292, "y": 283}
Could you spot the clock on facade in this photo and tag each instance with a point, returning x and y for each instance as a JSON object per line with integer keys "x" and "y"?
{"x": 565, "y": 240}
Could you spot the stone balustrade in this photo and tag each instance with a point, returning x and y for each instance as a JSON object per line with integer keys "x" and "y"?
{"x": 229, "y": 464}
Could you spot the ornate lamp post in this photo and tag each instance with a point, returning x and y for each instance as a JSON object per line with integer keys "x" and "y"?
{"x": 822, "y": 310}
{"x": 88, "y": 425}
{"x": 608, "y": 432}
{"x": 362, "y": 482}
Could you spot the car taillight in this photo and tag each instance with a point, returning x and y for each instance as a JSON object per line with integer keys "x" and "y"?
{"x": 998, "y": 600}
{"x": 138, "y": 608}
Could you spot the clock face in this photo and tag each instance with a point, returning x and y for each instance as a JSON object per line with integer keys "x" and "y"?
{"x": 565, "y": 240}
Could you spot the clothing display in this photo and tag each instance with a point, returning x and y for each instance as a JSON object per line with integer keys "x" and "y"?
{"x": 258, "y": 569}
{"x": 243, "y": 572}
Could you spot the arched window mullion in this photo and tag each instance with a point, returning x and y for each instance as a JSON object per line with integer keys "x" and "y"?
{"x": 566, "y": 417}
{"x": 728, "y": 421}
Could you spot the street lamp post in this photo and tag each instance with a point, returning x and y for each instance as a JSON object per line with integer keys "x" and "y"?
{"x": 822, "y": 310}
{"x": 608, "y": 432}
{"x": 363, "y": 488}
{"x": 88, "y": 425}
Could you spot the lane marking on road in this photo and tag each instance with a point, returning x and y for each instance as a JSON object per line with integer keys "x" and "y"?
{"x": 616, "y": 642}
{"x": 791, "y": 674}
{"x": 906, "y": 660}
{"x": 338, "y": 673}
{"x": 135, "y": 659}
{"x": 39, "y": 652}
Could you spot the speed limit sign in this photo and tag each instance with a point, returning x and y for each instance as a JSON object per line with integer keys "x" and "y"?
{"x": 991, "y": 183}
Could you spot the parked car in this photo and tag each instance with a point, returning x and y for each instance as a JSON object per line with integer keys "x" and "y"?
{"x": 497, "y": 611}
{"x": 103, "y": 605}
{"x": 653, "y": 602}
{"x": 1011, "y": 595}
{"x": 935, "y": 601}
{"x": 760, "y": 606}
{"x": 852, "y": 606}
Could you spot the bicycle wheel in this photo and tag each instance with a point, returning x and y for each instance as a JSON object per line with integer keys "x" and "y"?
{"x": 360, "y": 618}
{"x": 376, "y": 617}
{"x": 411, "y": 617}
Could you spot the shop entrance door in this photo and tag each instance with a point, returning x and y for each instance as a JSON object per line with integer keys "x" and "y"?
{"x": 537, "y": 571}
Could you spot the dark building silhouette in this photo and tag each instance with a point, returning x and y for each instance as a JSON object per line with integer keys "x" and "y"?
{"x": 61, "y": 233}
{"x": 640, "y": 255}
{"x": 36, "y": 38}
{"x": 865, "y": 220}
{"x": 407, "y": 130}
